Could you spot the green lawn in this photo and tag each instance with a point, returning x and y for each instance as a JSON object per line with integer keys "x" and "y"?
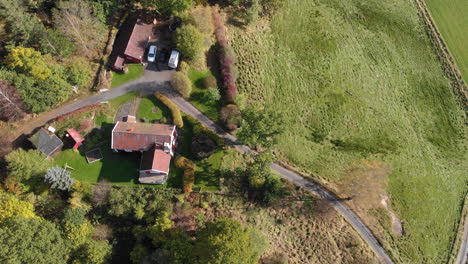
{"x": 152, "y": 109}
{"x": 358, "y": 80}
{"x": 134, "y": 72}
{"x": 117, "y": 171}
{"x": 451, "y": 18}
{"x": 198, "y": 97}
{"x": 122, "y": 168}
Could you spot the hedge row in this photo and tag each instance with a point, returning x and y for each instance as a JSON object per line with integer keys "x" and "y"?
{"x": 176, "y": 116}
{"x": 199, "y": 129}
{"x": 77, "y": 111}
{"x": 227, "y": 60}
{"x": 189, "y": 173}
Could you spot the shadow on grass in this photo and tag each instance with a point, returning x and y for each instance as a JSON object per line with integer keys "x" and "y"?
{"x": 165, "y": 111}
{"x": 208, "y": 176}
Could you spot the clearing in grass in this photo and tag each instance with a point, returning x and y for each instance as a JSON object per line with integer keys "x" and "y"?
{"x": 359, "y": 80}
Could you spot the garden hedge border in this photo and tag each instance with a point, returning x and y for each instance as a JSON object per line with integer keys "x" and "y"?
{"x": 176, "y": 116}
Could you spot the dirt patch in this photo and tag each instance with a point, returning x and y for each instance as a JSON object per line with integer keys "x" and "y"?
{"x": 129, "y": 108}
{"x": 397, "y": 226}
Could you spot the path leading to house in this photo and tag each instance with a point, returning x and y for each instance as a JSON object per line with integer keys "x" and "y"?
{"x": 129, "y": 108}
{"x": 149, "y": 86}
{"x": 148, "y": 83}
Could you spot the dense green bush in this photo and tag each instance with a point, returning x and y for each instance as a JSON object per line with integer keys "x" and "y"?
{"x": 182, "y": 84}
{"x": 212, "y": 95}
{"x": 199, "y": 129}
{"x": 78, "y": 72}
{"x": 189, "y": 173}
{"x": 176, "y": 116}
{"x": 227, "y": 241}
{"x": 127, "y": 202}
{"x": 189, "y": 41}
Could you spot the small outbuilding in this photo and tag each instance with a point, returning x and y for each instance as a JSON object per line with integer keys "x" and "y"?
{"x": 46, "y": 142}
{"x": 75, "y": 139}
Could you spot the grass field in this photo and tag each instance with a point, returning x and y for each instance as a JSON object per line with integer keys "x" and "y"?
{"x": 134, "y": 71}
{"x": 152, "y": 109}
{"x": 452, "y": 21}
{"x": 358, "y": 80}
{"x": 198, "y": 97}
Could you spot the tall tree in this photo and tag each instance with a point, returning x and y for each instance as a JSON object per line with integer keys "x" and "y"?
{"x": 59, "y": 178}
{"x": 11, "y": 105}
{"x": 28, "y": 61}
{"x": 227, "y": 241}
{"x": 32, "y": 240}
{"x": 168, "y": 6}
{"x": 11, "y": 206}
{"x": 189, "y": 41}
{"x": 75, "y": 19}
{"x": 56, "y": 43}
{"x": 260, "y": 127}
{"x": 23, "y": 28}
{"x": 25, "y": 165}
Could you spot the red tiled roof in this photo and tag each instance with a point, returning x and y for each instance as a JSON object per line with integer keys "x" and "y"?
{"x": 155, "y": 159}
{"x": 138, "y": 39}
{"x": 139, "y": 136}
{"x": 75, "y": 135}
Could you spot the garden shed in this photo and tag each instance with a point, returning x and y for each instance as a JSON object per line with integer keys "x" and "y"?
{"x": 75, "y": 139}
{"x": 46, "y": 142}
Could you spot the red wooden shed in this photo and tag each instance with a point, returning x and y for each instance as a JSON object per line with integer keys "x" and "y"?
{"x": 75, "y": 138}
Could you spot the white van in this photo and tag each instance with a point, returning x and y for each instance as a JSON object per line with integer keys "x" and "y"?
{"x": 174, "y": 59}
{"x": 152, "y": 53}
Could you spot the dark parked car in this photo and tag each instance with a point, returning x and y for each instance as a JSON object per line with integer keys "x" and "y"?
{"x": 163, "y": 56}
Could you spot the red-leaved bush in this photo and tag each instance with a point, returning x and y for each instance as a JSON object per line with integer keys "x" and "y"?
{"x": 227, "y": 60}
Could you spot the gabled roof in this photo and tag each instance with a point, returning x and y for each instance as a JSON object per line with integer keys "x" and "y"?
{"x": 139, "y": 37}
{"x": 45, "y": 142}
{"x": 75, "y": 135}
{"x": 139, "y": 136}
{"x": 155, "y": 159}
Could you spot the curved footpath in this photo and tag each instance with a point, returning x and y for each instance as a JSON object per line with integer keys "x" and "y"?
{"x": 149, "y": 86}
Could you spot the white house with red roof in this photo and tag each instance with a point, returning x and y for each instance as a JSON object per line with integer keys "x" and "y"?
{"x": 156, "y": 142}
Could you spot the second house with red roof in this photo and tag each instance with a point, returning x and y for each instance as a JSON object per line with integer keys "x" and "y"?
{"x": 156, "y": 142}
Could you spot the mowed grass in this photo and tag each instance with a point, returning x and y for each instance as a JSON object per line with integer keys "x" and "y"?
{"x": 117, "y": 171}
{"x": 358, "y": 80}
{"x": 134, "y": 72}
{"x": 451, "y": 18}
{"x": 152, "y": 109}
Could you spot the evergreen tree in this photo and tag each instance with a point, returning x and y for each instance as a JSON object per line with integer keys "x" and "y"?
{"x": 32, "y": 240}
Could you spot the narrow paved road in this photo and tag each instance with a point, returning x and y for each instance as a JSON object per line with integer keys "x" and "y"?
{"x": 462, "y": 257}
{"x": 312, "y": 187}
{"x": 148, "y": 86}
{"x": 149, "y": 82}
